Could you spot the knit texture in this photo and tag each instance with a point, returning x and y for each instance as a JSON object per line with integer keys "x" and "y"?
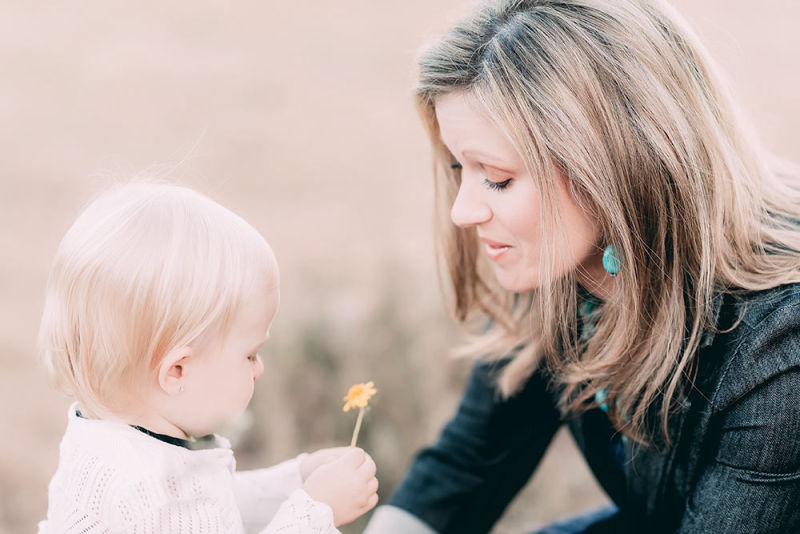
{"x": 112, "y": 478}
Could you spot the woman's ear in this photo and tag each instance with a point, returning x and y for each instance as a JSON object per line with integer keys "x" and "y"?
{"x": 172, "y": 370}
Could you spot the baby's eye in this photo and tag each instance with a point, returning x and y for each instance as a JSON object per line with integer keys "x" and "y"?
{"x": 253, "y": 357}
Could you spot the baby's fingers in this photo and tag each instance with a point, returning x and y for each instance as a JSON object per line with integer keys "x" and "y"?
{"x": 371, "y": 502}
{"x": 367, "y": 469}
{"x": 354, "y": 458}
{"x": 333, "y": 453}
{"x": 369, "y": 495}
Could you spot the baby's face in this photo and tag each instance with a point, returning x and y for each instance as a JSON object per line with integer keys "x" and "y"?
{"x": 219, "y": 382}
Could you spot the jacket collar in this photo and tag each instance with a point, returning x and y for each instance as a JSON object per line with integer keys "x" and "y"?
{"x": 716, "y": 306}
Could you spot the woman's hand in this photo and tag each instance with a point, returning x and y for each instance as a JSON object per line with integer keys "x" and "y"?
{"x": 346, "y": 483}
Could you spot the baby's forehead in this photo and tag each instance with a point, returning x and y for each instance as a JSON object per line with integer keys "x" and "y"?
{"x": 268, "y": 269}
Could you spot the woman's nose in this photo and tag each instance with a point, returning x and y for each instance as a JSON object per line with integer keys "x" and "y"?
{"x": 259, "y": 369}
{"x": 469, "y": 207}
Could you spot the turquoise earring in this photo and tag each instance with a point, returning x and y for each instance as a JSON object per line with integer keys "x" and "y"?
{"x": 611, "y": 261}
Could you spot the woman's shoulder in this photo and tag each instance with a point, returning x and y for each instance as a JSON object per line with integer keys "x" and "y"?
{"x": 757, "y": 308}
{"x": 762, "y": 344}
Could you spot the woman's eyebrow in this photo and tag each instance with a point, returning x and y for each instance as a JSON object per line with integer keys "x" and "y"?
{"x": 502, "y": 170}
{"x": 488, "y": 160}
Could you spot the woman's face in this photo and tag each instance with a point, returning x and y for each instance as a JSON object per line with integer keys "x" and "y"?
{"x": 499, "y": 198}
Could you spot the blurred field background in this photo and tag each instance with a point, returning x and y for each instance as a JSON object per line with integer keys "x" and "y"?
{"x": 299, "y": 117}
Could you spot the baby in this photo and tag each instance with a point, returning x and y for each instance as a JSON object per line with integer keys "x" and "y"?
{"x": 157, "y": 304}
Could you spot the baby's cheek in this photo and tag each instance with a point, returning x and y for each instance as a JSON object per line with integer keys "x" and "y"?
{"x": 248, "y": 388}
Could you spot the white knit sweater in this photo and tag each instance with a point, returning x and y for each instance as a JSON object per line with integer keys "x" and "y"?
{"x": 112, "y": 478}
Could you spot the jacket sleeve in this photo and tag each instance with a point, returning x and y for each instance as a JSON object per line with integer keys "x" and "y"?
{"x": 483, "y": 456}
{"x": 752, "y": 481}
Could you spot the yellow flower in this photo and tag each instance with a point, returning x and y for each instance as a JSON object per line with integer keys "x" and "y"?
{"x": 358, "y": 395}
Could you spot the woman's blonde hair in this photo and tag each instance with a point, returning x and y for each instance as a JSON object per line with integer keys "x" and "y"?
{"x": 145, "y": 268}
{"x": 619, "y": 97}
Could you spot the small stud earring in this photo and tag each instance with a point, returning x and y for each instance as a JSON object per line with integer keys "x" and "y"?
{"x": 611, "y": 261}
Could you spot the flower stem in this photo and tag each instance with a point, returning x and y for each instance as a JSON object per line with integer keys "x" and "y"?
{"x": 357, "y": 428}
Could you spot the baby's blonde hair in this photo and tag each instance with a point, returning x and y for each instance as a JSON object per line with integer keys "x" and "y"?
{"x": 145, "y": 268}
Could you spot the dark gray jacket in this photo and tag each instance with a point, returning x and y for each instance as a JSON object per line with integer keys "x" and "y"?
{"x": 734, "y": 466}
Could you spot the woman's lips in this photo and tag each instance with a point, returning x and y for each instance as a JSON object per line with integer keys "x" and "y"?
{"x": 494, "y": 249}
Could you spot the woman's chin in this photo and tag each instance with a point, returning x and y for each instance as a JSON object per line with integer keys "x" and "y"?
{"x": 516, "y": 282}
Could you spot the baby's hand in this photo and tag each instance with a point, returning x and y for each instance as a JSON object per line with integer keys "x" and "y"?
{"x": 315, "y": 459}
{"x": 347, "y": 484}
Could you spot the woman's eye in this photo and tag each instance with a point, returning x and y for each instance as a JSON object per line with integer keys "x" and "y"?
{"x": 456, "y": 166}
{"x": 497, "y": 186}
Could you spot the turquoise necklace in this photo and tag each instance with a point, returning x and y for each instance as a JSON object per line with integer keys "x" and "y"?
{"x": 589, "y": 312}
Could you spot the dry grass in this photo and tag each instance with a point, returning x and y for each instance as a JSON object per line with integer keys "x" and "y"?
{"x": 299, "y": 117}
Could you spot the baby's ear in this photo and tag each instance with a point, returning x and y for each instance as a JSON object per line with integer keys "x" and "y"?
{"x": 171, "y": 371}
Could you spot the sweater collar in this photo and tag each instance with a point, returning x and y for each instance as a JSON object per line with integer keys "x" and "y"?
{"x": 203, "y": 442}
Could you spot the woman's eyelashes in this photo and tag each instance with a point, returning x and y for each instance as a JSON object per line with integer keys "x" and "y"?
{"x": 495, "y": 185}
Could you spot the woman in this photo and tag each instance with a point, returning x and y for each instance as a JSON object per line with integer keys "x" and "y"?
{"x": 638, "y": 260}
